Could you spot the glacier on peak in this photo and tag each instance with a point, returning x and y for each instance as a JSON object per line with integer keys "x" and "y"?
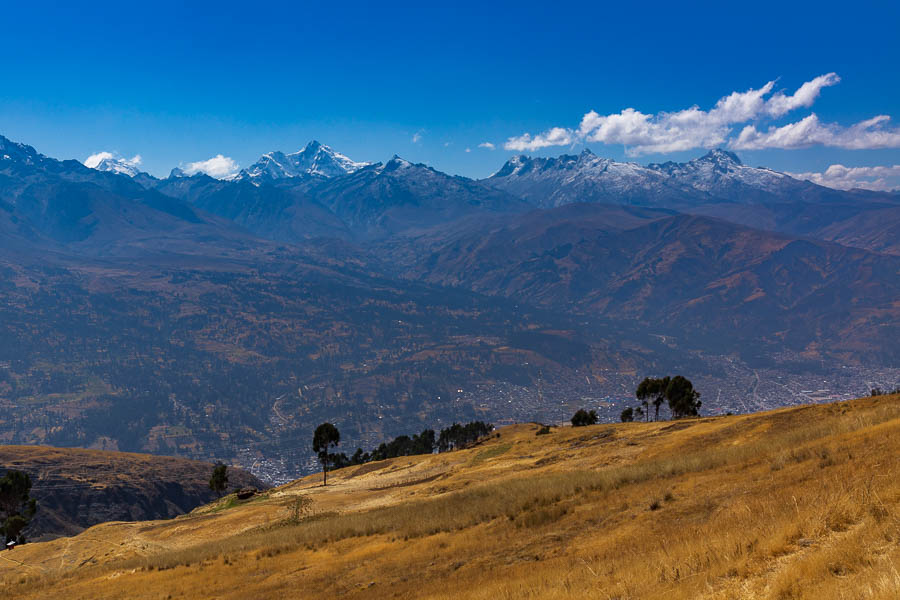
{"x": 113, "y": 164}
{"x": 313, "y": 160}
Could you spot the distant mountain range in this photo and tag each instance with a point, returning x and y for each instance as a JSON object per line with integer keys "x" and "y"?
{"x": 328, "y": 194}
{"x": 198, "y": 316}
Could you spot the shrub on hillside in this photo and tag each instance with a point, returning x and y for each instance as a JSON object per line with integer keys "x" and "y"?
{"x": 584, "y": 417}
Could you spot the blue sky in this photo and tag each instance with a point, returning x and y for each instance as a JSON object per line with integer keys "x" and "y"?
{"x": 428, "y": 81}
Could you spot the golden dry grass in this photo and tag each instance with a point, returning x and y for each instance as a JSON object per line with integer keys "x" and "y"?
{"x": 789, "y": 504}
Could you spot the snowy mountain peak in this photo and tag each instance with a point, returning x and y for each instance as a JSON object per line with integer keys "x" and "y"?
{"x": 314, "y": 160}
{"x": 118, "y": 165}
{"x": 722, "y": 173}
{"x": 722, "y": 157}
{"x": 397, "y": 162}
{"x": 513, "y": 166}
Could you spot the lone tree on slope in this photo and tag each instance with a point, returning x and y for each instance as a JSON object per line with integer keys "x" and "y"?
{"x": 583, "y": 417}
{"x": 16, "y": 506}
{"x": 627, "y": 415}
{"x": 219, "y": 480}
{"x": 325, "y": 437}
{"x": 684, "y": 400}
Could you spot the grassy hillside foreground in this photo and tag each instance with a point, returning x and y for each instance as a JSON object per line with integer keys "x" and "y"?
{"x": 795, "y": 503}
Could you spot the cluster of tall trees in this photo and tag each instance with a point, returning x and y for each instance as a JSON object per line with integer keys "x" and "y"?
{"x": 327, "y": 437}
{"x": 422, "y": 443}
{"x": 459, "y": 436}
{"x": 17, "y": 507}
{"x": 677, "y": 392}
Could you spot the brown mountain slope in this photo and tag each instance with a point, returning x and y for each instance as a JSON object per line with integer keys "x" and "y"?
{"x": 793, "y": 503}
{"x": 862, "y": 222}
{"x": 78, "y": 488}
{"x": 710, "y": 283}
{"x": 877, "y": 229}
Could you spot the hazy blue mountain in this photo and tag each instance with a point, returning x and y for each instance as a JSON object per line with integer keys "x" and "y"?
{"x": 397, "y": 196}
{"x": 64, "y": 205}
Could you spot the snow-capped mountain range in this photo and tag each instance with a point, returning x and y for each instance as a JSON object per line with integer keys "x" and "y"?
{"x": 542, "y": 182}
{"x": 369, "y": 195}
{"x": 315, "y": 159}
{"x": 718, "y": 175}
{"x": 586, "y": 177}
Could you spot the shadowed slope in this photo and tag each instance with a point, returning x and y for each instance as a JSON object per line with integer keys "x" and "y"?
{"x": 77, "y": 488}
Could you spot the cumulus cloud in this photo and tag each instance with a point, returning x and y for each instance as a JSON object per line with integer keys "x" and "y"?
{"x": 806, "y": 94}
{"x": 810, "y": 131}
{"x": 218, "y": 166}
{"x": 662, "y": 132}
{"x": 94, "y": 160}
{"x": 556, "y": 136}
{"x": 880, "y": 178}
{"x": 487, "y": 145}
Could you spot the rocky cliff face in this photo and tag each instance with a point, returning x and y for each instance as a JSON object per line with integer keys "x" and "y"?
{"x": 77, "y": 488}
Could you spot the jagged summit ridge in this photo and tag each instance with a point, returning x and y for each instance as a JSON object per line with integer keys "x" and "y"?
{"x": 720, "y": 171}
{"x": 583, "y": 177}
{"x": 587, "y": 177}
{"x": 11, "y": 151}
{"x": 314, "y": 160}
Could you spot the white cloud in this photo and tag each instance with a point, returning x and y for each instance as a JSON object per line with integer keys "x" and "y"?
{"x": 417, "y": 136}
{"x": 487, "y": 145}
{"x": 468, "y": 149}
{"x": 94, "y": 160}
{"x": 218, "y": 166}
{"x": 810, "y": 131}
{"x": 556, "y": 136}
{"x": 663, "y": 132}
{"x": 806, "y": 94}
{"x": 880, "y": 178}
